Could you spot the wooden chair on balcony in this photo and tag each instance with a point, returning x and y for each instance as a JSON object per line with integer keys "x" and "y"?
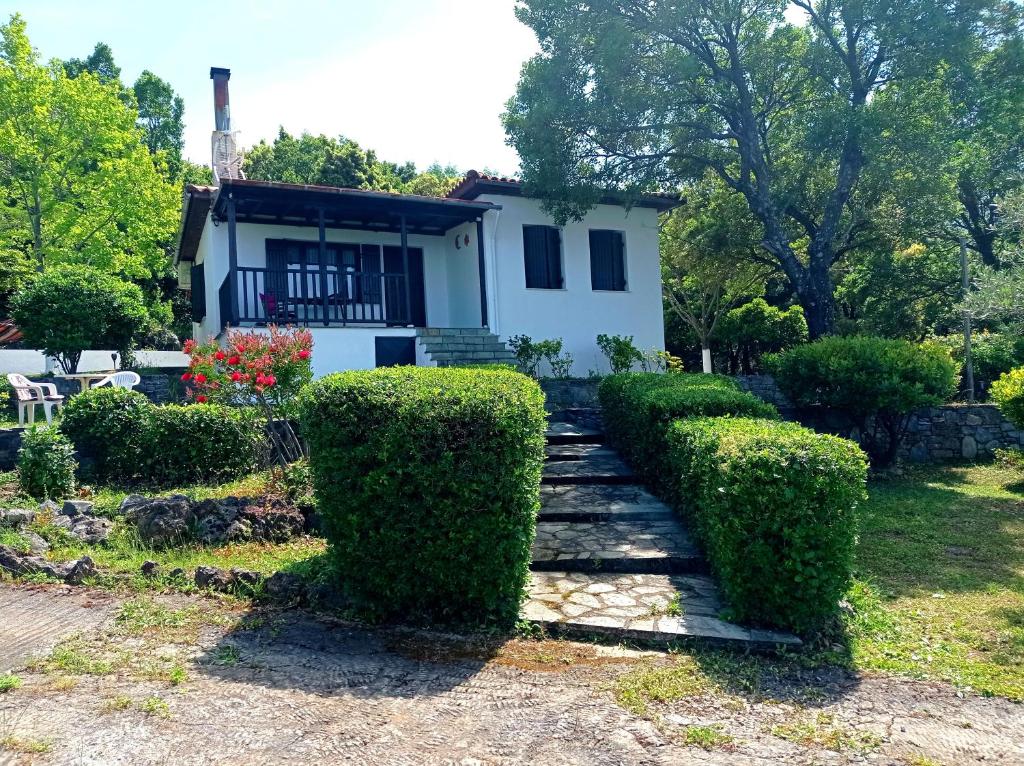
{"x": 276, "y": 310}
{"x": 30, "y": 394}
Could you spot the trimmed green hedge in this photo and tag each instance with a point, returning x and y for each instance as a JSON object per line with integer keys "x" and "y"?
{"x": 637, "y": 408}
{"x": 428, "y": 483}
{"x": 122, "y": 438}
{"x": 774, "y": 507}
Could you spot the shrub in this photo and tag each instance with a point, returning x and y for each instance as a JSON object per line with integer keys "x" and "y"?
{"x": 637, "y": 408}
{"x": 756, "y": 328}
{"x": 121, "y": 437}
{"x": 992, "y": 354}
{"x": 528, "y": 354}
{"x": 428, "y": 481}
{"x": 108, "y": 428}
{"x": 876, "y": 382}
{"x": 620, "y": 352}
{"x": 200, "y": 443}
{"x": 67, "y": 309}
{"x": 46, "y": 464}
{"x": 773, "y": 505}
{"x": 1008, "y": 393}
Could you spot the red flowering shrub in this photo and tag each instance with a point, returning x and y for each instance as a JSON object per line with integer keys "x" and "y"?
{"x": 255, "y": 369}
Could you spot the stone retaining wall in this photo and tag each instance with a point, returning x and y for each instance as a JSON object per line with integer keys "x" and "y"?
{"x": 936, "y": 434}
{"x": 574, "y": 394}
{"x": 10, "y": 443}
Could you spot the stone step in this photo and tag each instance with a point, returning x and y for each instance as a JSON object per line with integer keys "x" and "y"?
{"x": 570, "y": 433}
{"x": 651, "y": 608}
{"x": 660, "y": 546}
{"x": 600, "y": 502}
{"x": 588, "y": 469}
{"x": 570, "y": 452}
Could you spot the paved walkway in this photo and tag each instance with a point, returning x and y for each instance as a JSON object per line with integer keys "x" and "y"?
{"x": 289, "y": 688}
{"x": 612, "y": 559}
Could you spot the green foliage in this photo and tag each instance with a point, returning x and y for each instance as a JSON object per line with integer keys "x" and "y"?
{"x": 123, "y": 438}
{"x": 620, "y": 352}
{"x": 161, "y": 117}
{"x": 638, "y": 408}
{"x": 875, "y": 382}
{"x": 427, "y": 481}
{"x": 755, "y": 329}
{"x": 46, "y": 464}
{"x": 107, "y": 427}
{"x": 528, "y": 354}
{"x": 774, "y": 506}
{"x": 67, "y": 309}
{"x": 1008, "y": 393}
{"x": 993, "y": 353}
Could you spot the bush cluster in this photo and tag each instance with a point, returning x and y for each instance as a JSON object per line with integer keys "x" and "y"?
{"x": 428, "y": 483}
{"x": 638, "y": 407}
{"x": 46, "y": 464}
{"x": 876, "y": 382}
{"x": 1008, "y": 394}
{"x": 773, "y": 505}
{"x": 122, "y": 437}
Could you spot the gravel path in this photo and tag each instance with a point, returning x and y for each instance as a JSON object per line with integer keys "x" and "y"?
{"x": 290, "y": 688}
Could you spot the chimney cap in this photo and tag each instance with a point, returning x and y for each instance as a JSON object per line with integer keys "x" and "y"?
{"x": 216, "y": 70}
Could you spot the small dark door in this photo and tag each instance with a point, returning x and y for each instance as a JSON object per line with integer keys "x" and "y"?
{"x": 395, "y": 290}
{"x": 392, "y": 352}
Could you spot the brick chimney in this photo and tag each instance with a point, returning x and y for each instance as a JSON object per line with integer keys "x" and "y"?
{"x": 227, "y": 159}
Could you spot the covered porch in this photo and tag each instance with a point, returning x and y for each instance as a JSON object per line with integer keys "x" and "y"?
{"x": 371, "y": 274}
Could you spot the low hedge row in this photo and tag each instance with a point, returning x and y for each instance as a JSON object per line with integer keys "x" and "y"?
{"x": 637, "y": 408}
{"x": 121, "y": 437}
{"x": 428, "y": 486}
{"x": 773, "y": 504}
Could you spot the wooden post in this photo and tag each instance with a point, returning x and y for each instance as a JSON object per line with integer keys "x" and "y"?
{"x": 405, "y": 268}
{"x": 483, "y": 272}
{"x": 322, "y": 257}
{"x": 232, "y": 319}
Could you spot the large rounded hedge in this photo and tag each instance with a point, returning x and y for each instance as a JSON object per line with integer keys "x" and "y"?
{"x": 428, "y": 484}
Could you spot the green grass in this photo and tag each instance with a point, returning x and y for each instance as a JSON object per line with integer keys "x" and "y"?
{"x": 25, "y": 745}
{"x": 821, "y": 730}
{"x": 706, "y": 737}
{"x": 9, "y": 682}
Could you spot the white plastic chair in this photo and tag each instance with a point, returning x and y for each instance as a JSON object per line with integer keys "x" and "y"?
{"x": 30, "y": 394}
{"x": 124, "y": 379}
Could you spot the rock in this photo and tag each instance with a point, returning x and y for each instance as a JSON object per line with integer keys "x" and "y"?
{"x": 37, "y": 545}
{"x": 969, "y": 448}
{"x": 150, "y": 568}
{"x": 48, "y": 506}
{"x": 76, "y": 508}
{"x": 130, "y": 502}
{"x": 233, "y": 519}
{"x": 25, "y": 563}
{"x": 16, "y": 517}
{"x": 80, "y": 570}
{"x": 213, "y": 579}
{"x": 92, "y": 530}
{"x": 163, "y": 520}
{"x": 245, "y": 577}
{"x": 284, "y": 586}
{"x": 176, "y": 574}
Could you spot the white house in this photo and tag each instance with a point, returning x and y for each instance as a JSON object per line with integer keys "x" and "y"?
{"x": 400, "y": 279}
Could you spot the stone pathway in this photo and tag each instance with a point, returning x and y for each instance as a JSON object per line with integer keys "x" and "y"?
{"x": 612, "y": 559}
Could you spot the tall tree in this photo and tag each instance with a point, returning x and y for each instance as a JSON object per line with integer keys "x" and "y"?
{"x": 100, "y": 63}
{"x": 81, "y": 184}
{"x": 641, "y": 94}
{"x": 161, "y": 116}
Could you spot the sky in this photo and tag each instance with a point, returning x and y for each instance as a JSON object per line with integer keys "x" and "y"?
{"x": 416, "y": 80}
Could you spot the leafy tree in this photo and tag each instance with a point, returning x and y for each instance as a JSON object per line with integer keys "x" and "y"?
{"x": 798, "y": 118}
{"x": 99, "y": 63}
{"x": 68, "y": 309}
{"x": 161, "y": 116}
{"x": 435, "y": 181}
{"x": 998, "y": 294}
{"x": 710, "y": 260}
{"x": 82, "y": 188}
{"x": 756, "y": 328}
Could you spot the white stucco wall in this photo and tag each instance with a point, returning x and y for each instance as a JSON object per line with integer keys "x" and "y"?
{"x": 577, "y": 313}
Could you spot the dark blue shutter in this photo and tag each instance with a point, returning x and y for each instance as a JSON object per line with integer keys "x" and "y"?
{"x": 607, "y": 260}
{"x": 198, "y": 282}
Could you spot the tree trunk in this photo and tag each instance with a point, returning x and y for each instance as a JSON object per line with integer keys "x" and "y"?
{"x": 817, "y": 295}
{"x": 705, "y": 355}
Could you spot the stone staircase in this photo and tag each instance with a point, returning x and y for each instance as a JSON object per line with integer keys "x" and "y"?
{"x": 455, "y": 346}
{"x": 611, "y": 559}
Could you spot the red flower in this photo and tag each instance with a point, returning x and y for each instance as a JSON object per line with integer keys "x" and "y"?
{"x": 234, "y": 360}
{"x": 201, "y": 398}
{"x": 304, "y": 354}
{"x": 219, "y": 356}
{"x": 269, "y": 380}
{"x": 200, "y": 378}
{"x": 236, "y": 376}
{"x": 187, "y": 376}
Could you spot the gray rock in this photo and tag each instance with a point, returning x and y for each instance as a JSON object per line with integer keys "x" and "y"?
{"x": 176, "y": 574}
{"x": 48, "y": 506}
{"x": 76, "y": 508}
{"x": 79, "y": 570}
{"x": 16, "y": 517}
{"x": 213, "y": 578}
{"x": 25, "y": 564}
{"x": 284, "y": 586}
{"x": 37, "y": 545}
{"x": 91, "y": 530}
{"x": 969, "y": 448}
{"x": 150, "y": 568}
{"x": 163, "y": 521}
{"x": 245, "y": 577}
{"x": 130, "y": 502}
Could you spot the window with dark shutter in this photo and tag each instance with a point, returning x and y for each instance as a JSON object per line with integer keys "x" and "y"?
{"x": 607, "y": 260}
{"x": 198, "y": 282}
{"x": 542, "y": 252}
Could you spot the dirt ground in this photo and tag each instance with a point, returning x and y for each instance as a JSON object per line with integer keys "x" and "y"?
{"x": 184, "y": 681}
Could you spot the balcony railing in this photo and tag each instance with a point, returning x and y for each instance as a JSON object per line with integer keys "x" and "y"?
{"x": 304, "y": 297}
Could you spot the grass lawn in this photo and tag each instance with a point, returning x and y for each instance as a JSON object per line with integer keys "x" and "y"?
{"x": 940, "y": 578}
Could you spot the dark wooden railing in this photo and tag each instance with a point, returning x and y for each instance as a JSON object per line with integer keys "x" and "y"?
{"x": 308, "y": 296}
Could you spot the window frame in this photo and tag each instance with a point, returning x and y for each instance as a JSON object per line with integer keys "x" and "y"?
{"x": 622, "y": 254}
{"x": 560, "y": 255}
